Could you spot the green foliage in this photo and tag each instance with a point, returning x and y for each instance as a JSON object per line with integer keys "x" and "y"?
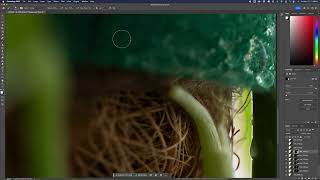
{"x": 233, "y": 49}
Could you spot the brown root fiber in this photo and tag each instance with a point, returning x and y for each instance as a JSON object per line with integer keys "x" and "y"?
{"x": 136, "y": 131}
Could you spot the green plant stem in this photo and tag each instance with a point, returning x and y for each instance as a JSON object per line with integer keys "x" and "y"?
{"x": 215, "y": 148}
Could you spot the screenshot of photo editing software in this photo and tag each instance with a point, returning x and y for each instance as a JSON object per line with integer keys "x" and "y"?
{"x": 159, "y": 89}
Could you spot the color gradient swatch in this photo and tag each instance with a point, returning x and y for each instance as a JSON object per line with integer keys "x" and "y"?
{"x": 302, "y": 35}
{"x": 316, "y": 42}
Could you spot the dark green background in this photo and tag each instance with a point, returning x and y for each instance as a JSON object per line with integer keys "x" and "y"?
{"x": 198, "y": 46}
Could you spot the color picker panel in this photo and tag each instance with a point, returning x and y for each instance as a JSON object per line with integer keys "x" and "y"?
{"x": 301, "y": 40}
